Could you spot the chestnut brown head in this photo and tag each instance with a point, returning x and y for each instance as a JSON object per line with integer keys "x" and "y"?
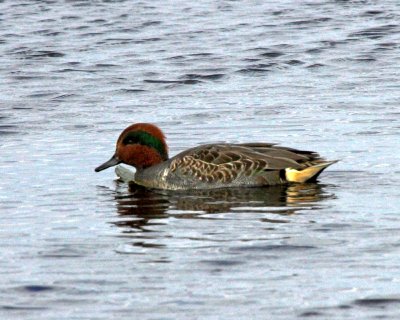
{"x": 141, "y": 145}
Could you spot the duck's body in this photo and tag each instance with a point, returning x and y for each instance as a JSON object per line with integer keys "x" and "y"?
{"x": 212, "y": 165}
{"x": 228, "y": 165}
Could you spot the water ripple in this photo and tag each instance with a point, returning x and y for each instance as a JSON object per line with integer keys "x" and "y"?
{"x": 319, "y": 75}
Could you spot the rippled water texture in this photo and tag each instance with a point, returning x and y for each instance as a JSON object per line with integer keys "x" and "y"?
{"x": 319, "y": 75}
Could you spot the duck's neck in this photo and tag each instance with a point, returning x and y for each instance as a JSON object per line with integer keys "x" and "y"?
{"x": 142, "y": 157}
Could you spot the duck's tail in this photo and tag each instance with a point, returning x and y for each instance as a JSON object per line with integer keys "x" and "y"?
{"x": 309, "y": 174}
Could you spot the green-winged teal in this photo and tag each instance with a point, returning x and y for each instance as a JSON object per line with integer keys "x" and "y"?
{"x": 209, "y": 166}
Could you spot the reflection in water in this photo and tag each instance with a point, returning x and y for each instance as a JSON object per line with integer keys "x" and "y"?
{"x": 141, "y": 204}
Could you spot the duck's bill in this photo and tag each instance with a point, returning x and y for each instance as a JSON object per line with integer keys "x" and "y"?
{"x": 110, "y": 163}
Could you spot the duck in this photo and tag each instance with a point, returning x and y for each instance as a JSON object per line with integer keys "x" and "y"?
{"x": 209, "y": 166}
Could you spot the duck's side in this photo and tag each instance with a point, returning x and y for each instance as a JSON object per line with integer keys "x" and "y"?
{"x": 233, "y": 165}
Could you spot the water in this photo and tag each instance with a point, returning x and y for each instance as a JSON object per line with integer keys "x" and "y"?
{"x": 319, "y": 75}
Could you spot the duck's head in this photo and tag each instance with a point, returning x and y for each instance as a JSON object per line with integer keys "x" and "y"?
{"x": 141, "y": 145}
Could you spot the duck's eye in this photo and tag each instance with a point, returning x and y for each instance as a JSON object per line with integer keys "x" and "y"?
{"x": 129, "y": 140}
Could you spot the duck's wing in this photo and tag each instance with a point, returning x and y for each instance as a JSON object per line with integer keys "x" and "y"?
{"x": 227, "y": 162}
{"x": 302, "y": 157}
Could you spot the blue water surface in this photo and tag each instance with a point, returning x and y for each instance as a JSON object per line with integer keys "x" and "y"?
{"x": 318, "y": 75}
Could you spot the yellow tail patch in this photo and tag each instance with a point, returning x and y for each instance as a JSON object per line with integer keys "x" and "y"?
{"x": 304, "y": 175}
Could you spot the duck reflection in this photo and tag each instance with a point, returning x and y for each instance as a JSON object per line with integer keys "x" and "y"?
{"x": 140, "y": 205}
